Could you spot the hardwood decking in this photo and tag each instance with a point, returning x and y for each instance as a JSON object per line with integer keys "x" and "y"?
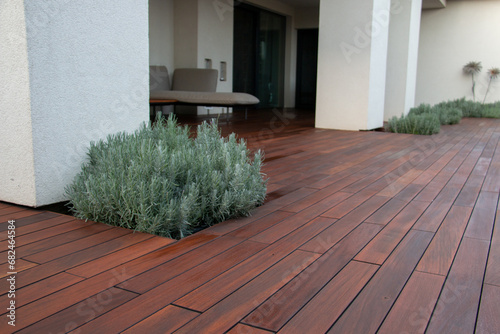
{"x": 362, "y": 232}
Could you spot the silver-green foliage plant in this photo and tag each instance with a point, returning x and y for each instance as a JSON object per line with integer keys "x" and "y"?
{"x": 447, "y": 114}
{"x": 417, "y": 124}
{"x": 159, "y": 180}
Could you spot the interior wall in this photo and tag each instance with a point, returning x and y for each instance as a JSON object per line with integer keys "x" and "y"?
{"x": 215, "y": 40}
{"x": 449, "y": 38}
{"x": 161, "y": 33}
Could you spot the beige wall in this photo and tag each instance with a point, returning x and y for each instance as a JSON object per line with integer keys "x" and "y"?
{"x": 449, "y": 38}
{"x": 352, "y": 60}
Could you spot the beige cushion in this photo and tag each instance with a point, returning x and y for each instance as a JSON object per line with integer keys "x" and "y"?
{"x": 195, "y": 80}
{"x": 206, "y": 98}
{"x": 193, "y": 86}
{"x": 158, "y": 78}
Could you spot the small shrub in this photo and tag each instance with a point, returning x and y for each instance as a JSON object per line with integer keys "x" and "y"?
{"x": 423, "y": 124}
{"x": 447, "y": 114}
{"x": 491, "y": 110}
{"x": 159, "y": 180}
{"x": 421, "y": 109}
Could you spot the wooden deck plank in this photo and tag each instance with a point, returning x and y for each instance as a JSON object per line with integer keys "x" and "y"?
{"x": 231, "y": 310}
{"x": 379, "y": 249}
{"x": 298, "y": 220}
{"x": 387, "y": 212}
{"x": 329, "y": 237}
{"x": 25, "y": 217}
{"x": 438, "y": 257}
{"x": 241, "y": 328}
{"x": 413, "y": 308}
{"x": 217, "y": 289}
{"x": 75, "y": 246}
{"x": 320, "y": 313}
{"x": 73, "y": 259}
{"x": 282, "y": 306}
{"x": 340, "y": 210}
{"x": 488, "y": 320}
{"x": 21, "y": 265}
{"x": 434, "y": 215}
{"x": 367, "y": 312}
{"x": 73, "y": 317}
{"x": 258, "y": 226}
{"x": 41, "y": 289}
{"x": 493, "y": 268}
{"x": 166, "y": 320}
{"x": 109, "y": 261}
{"x": 456, "y": 311}
{"x": 39, "y": 225}
{"x": 47, "y": 232}
{"x": 61, "y": 239}
{"x": 483, "y": 217}
{"x": 228, "y": 250}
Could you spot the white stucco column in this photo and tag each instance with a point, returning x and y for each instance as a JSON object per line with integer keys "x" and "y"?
{"x": 352, "y": 63}
{"x": 404, "y": 35}
{"x": 72, "y": 72}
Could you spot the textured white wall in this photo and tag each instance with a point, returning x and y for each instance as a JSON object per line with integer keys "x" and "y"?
{"x": 449, "y": 38}
{"x": 88, "y": 77}
{"x": 402, "y": 59}
{"x": 17, "y": 170}
{"x": 352, "y": 60}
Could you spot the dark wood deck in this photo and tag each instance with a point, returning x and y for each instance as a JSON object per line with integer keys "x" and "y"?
{"x": 362, "y": 232}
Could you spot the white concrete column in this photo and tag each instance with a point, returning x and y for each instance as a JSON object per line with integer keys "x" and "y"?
{"x": 72, "y": 72}
{"x": 404, "y": 35}
{"x": 352, "y": 62}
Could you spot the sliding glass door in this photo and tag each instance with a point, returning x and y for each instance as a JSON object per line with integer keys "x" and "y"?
{"x": 259, "y": 54}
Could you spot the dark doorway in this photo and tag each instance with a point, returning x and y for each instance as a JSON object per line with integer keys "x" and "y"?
{"x": 259, "y": 54}
{"x": 307, "y": 68}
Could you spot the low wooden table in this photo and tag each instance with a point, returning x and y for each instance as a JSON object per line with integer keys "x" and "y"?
{"x": 153, "y": 102}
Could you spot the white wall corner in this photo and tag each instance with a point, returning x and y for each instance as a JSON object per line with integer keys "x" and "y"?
{"x": 17, "y": 169}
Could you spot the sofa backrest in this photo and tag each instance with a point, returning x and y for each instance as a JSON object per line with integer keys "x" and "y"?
{"x": 195, "y": 79}
{"x": 158, "y": 78}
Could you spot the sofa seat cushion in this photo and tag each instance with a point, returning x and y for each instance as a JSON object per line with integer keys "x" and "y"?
{"x": 205, "y": 98}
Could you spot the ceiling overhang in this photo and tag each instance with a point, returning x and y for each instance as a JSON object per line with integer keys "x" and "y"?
{"x": 432, "y": 4}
